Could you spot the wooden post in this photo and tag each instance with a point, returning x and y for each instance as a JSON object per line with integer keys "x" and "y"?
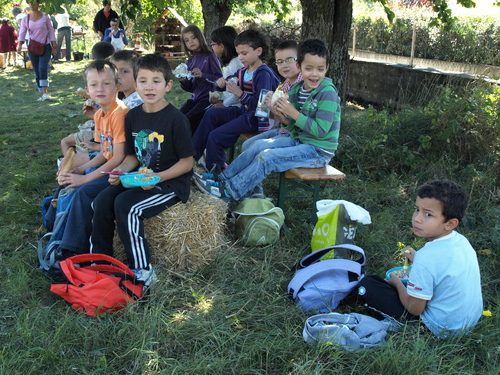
{"x": 413, "y": 39}
{"x": 355, "y": 28}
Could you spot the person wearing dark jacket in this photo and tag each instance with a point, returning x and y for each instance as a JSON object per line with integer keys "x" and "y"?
{"x": 103, "y": 18}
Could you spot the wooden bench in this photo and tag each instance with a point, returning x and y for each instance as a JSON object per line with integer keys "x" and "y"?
{"x": 308, "y": 179}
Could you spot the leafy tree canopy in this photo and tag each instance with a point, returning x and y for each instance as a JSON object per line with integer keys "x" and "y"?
{"x": 133, "y": 9}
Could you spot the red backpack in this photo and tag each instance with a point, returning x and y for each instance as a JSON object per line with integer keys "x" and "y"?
{"x": 97, "y": 283}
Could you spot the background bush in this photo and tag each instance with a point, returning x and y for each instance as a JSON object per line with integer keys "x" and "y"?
{"x": 474, "y": 40}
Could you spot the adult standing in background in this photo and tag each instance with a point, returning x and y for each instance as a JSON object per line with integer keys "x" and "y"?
{"x": 8, "y": 42}
{"x": 16, "y": 11}
{"x": 41, "y": 30}
{"x": 103, "y": 19}
{"x": 63, "y": 33}
{"x": 115, "y": 35}
{"x": 20, "y": 17}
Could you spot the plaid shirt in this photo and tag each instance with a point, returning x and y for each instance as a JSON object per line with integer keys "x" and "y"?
{"x": 285, "y": 88}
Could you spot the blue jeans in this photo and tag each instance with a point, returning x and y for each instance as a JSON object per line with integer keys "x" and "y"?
{"x": 76, "y": 235}
{"x": 264, "y": 156}
{"x": 264, "y": 135}
{"x": 40, "y": 64}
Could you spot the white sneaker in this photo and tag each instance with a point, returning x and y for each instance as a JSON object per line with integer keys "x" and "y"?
{"x": 148, "y": 276}
{"x": 43, "y": 98}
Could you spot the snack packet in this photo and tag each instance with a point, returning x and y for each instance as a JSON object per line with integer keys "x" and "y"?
{"x": 262, "y": 109}
{"x": 181, "y": 71}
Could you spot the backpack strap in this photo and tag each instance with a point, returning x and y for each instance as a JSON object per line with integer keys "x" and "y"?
{"x": 47, "y": 255}
{"x": 112, "y": 265}
{"x": 304, "y": 275}
{"x": 318, "y": 254}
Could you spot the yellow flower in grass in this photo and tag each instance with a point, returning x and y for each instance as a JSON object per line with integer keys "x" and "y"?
{"x": 487, "y": 313}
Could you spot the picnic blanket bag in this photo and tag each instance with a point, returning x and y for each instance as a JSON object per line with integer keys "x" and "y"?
{"x": 97, "y": 283}
{"x": 320, "y": 285}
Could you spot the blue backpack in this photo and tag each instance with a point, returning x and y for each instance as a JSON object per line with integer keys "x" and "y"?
{"x": 55, "y": 211}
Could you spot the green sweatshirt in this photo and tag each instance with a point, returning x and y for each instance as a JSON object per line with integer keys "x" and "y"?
{"x": 319, "y": 121}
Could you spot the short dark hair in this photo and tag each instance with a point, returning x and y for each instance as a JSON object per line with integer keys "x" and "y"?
{"x": 101, "y": 66}
{"x": 156, "y": 63}
{"x": 452, "y": 196}
{"x": 255, "y": 39}
{"x": 287, "y": 44}
{"x": 105, "y": 2}
{"x": 129, "y": 55}
{"x": 102, "y": 50}
{"x": 113, "y": 20}
{"x": 312, "y": 47}
{"x": 226, "y": 36}
{"x": 198, "y": 35}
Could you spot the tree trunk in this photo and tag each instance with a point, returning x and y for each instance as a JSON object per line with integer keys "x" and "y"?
{"x": 215, "y": 15}
{"x": 330, "y": 21}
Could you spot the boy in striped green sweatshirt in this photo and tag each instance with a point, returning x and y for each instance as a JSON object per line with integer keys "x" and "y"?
{"x": 311, "y": 114}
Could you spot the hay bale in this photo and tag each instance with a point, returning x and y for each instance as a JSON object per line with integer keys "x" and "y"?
{"x": 186, "y": 236}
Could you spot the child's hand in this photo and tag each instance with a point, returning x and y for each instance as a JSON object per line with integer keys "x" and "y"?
{"x": 71, "y": 179}
{"x": 197, "y": 72}
{"x": 394, "y": 280}
{"x": 113, "y": 178}
{"x": 181, "y": 80}
{"x": 89, "y": 111}
{"x": 285, "y": 107}
{"x": 221, "y": 82}
{"x": 233, "y": 88}
{"x": 277, "y": 115}
{"x": 149, "y": 187}
{"x": 409, "y": 253}
{"x": 92, "y": 146}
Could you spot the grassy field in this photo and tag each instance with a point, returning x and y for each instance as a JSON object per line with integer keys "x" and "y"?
{"x": 234, "y": 316}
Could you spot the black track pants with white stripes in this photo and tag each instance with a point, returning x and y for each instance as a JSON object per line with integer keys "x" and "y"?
{"x": 128, "y": 208}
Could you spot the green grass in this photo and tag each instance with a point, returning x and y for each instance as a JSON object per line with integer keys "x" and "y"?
{"x": 233, "y": 316}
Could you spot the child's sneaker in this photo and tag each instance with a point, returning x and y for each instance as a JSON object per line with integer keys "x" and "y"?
{"x": 214, "y": 173}
{"x": 148, "y": 276}
{"x": 214, "y": 188}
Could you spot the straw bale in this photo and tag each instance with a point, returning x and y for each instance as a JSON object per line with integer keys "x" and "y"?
{"x": 186, "y": 236}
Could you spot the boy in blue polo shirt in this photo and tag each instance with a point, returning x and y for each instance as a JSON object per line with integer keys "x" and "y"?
{"x": 444, "y": 286}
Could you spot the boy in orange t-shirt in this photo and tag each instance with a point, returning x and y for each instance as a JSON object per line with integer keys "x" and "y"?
{"x": 101, "y": 80}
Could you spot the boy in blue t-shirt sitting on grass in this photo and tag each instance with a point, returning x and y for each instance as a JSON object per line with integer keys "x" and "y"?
{"x": 444, "y": 286}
